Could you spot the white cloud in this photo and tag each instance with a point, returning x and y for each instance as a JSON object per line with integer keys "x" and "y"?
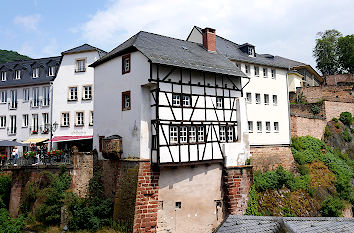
{"x": 29, "y": 22}
{"x": 286, "y": 28}
{"x": 51, "y": 48}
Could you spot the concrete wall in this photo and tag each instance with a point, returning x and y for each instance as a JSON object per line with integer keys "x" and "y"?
{"x": 199, "y": 189}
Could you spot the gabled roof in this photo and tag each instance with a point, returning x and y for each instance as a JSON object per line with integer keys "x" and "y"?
{"x": 26, "y": 67}
{"x": 85, "y": 48}
{"x": 174, "y": 52}
{"x": 260, "y": 224}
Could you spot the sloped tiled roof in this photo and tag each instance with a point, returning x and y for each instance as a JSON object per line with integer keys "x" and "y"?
{"x": 260, "y": 224}
{"x": 174, "y": 52}
{"x": 84, "y": 48}
{"x": 232, "y": 51}
{"x": 26, "y": 68}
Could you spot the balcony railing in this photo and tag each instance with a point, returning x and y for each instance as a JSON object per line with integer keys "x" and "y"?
{"x": 13, "y": 105}
{"x": 45, "y": 129}
{"x": 34, "y": 130}
{"x": 11, "y": 131}
{"x": 41, "y": 158}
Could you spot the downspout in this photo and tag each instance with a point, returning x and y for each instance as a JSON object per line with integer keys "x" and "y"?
{"x": 51, "y": 116}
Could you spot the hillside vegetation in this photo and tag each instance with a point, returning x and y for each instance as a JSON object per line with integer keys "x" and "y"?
{"x": 322, "y": 186}
{"x": 9, "y": 56}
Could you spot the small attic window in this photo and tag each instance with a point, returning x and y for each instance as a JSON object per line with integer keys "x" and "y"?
{"x": 251, "y": 51}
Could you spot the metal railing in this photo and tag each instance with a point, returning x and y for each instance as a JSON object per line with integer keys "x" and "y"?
{"x": 42, "y": 158}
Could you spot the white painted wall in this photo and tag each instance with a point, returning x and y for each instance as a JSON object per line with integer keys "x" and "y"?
{"x": 294, "y": 82}
{"x": 67, "y": 77}
{"x": 23, "y": 107}
{"x": 272, "y": 113}
{"x": 134, "y": 124}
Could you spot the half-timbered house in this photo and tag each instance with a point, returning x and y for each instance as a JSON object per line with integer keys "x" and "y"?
{"x": 179, "y": 106}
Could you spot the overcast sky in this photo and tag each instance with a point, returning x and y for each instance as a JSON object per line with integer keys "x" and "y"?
{"x": 40, "y": 28}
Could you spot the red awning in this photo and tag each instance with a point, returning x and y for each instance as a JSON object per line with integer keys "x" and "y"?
{"x": 70, "y": 138}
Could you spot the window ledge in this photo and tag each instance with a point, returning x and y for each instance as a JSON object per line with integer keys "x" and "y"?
{"x": 86, "y": 99}
{"x": 65, "y": 126}
{"x": 79, "y": 125}
{"x": 80, "y": 71}
{"x": 69, "y": 100}
{"x": 266, "y": 103}
{"x": 125, "y": 109}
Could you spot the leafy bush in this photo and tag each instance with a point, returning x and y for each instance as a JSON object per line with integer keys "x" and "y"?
{"x": 335, "y": 119}
{"x": 346, "y": 136}
{"x": 346, "y": 118}
{"x": 279, "y": 178}
{"x": 327, "y": 132}
{"x": 252, "y": 208}
{"x": 93, "y": 212}
{"x": 9, "y": 224}
{"x": 5, "y": 190}
{"x": 315, "y": 109}
{"x": 50, "y": 211}
{"x": 332, "y": 207}
{"x": 337, "y": 125}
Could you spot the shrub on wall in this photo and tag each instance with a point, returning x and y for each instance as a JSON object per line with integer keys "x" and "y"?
{"x": 5, "y": 190}
{"x": 332, "y": 207}
{"x": 346, "y": 136}
{"x": 9, "y": 224}
{"x": 315, "y": 109}
{"x": 346, "y": 118}
{"x": 252, "y": 208}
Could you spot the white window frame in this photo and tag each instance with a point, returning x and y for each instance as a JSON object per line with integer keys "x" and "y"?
{"x": 251, "y": 51}
{"x": 35, "y": 123}
{"x": 13, "y": 124}
{"x": 186, "y": 100}
{"x": 249, "y": 97}
{"x": 91, "y": 118}
{"x": 219, "y": 103}
{"x": 3, "y": 97}
{"x": 273, "y": 73}
{"x": 266, "y": 99}
{"x": 65, "y": 119}
{"x": 256, "y": 71}
{"x": 173, "y": 134}
{"x": 35, "y": 72}
{"x": 230, "y": 134}
{"x": 51, "y": 71}
{"x": 72, "y": 94}
{"x": 13, "y": 99}
{"x": 222, "y": 133}
{"x": 250, "y": 126}
{"x": 247, "y": 69}
{"x": 183, "y": 134}
{"x": 176, "y": 100}
{"x": 17, "y": 74}
{"x": 258, "y": 100}
{"x": 26, "y": 94}
{"x": 259, "y": 126}
{"x": 45, "y": 117}
{"x": 87, "y": 92}
{"x": 3, "y": 76}
{"x": 24, "y": 120}
{"x": 276, "y": 127}
{"x": 46, "y": 96}
{"x": 192, "y": 134}
{"x": 80, "y": 65}
{"x": 80, "y": 118}
{"x": 201, "y": 133}
{"x": 275, "y": 97}
{"x": 2, "y": 122}
{"x": 35, "y": 97}
{"x": 265, "y": 72}
{"x": 267, "y": 126}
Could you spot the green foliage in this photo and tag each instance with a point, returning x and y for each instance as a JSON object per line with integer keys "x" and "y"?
{"x": 338, "y": 125}
{"x": 287, "y": 212}
{"x": 29, "y": 197}
{"x": 9, "y": 224}
{"x": 279, "y": 178}
{"x": 346, "y": 53}
{"x": 346, "y": 118}
{"x": 93, "y": 212}
{"x": 325, "y": 52}
{"x": 335, "y": 119}
{"x": 5, "y": 190}
{"x": 307, "y": 149}
{"x": 252, "y": 208}
{"x": 346, "y": 136}
{"x": 248, "y": 161}
{"x": 9, "y": 56}
{"x": 332, "y": 207}
{"x": 315, "y": 109}
{"x": 49, "y": 212}
{"x": 327, "y": 132}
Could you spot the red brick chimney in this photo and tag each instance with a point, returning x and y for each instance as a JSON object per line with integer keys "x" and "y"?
{"x": 209, "y": 39}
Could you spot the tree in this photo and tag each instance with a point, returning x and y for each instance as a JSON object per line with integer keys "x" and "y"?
{"x": 346, "y": 53}
{"x": 326, "y": 52}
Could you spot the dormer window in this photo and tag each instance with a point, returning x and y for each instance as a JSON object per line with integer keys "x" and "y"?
{"x": 18, "y": 74}
{"x": 126, "y": 64}
{"x": 51, "y": 70}
{"x": 35, "y": 73}
{"x": 3, "y": 76}
{"x": 251, "y": 51}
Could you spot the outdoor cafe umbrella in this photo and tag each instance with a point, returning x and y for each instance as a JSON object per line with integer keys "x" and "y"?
{"x": 11, "y": 143}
